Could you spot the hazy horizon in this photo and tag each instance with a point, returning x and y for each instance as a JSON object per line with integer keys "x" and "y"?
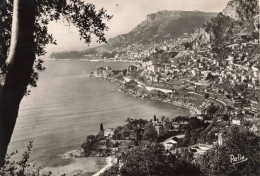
{"x": 126, "y": 15}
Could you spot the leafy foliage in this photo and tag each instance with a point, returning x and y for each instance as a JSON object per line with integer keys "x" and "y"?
{"x": 113, "y": 171}
{"x": 153, "y": 160}
{"x": 91, "y": 143}
{"x": 248, "y": 9}
{"x": 237, "y": 140}
{"x": 84, "y": 16}
{"x": 128, "y": 129}
{"x": 22, "y": 167}
{"x": 150, "y": 133}
{"x": 221, "y": 27}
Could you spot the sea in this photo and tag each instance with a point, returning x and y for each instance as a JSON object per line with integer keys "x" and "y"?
{"x": 67, "y": 106}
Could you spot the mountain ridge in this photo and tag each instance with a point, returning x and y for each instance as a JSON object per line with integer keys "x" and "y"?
{"x": 158, "y": 26}
{"x": 168, "y": 25}
{"x": 164, "y": 24}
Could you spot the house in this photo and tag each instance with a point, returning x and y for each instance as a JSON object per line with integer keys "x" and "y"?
{"x": 236, "y": 121}
{"x": 194, "y": 72}
{"x": 200, "y": 149}
{"x": 255, "y": 106}
{"x": 201, "y": 116}
{"x": 169, "y": 144}
{"x": 131, "y": 68}
{"x": 150, "y": 65}
{"x": 159, "y": 128}
{"x": 109, "y": 132}
{"x": 220, "y": 139}
{"x": 254, "y": 129}
{"x": 176, "y": 125}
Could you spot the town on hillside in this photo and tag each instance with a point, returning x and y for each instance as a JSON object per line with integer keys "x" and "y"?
{"x": 214, "y": 72}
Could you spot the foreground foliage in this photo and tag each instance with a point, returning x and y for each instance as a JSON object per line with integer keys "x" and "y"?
{"x": 237, "y": 141}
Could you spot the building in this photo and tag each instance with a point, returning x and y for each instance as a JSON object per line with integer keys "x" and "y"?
{"x": 236, "y": 121}
{"x": 220, "y": 139}
{"x": 109, "y": 132}
{"x": 175, "y": 125}
{"x": 170, "y": 144}
{"x": 159, "y": 128}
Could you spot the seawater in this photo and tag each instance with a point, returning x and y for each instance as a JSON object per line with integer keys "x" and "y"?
{"x": 67, "y": 105}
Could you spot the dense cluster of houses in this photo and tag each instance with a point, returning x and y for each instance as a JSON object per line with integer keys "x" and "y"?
{"x": 237, "y": 68}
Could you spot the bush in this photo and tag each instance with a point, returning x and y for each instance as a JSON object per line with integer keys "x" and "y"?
{"x": 22, "y": 167}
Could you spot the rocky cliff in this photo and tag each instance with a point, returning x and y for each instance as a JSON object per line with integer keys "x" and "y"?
{"x": 244, "y": 16}
{"x": 231, "y": 10}
{"x": 101, "y": 72}
{"x": 163, "y": 25}
{"x": 165, "y": 14}
{"x": 241, "y": 9}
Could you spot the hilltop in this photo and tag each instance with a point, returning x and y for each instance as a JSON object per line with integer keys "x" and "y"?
{"x": 157, "y": 27}
{"x": 164, "y": 25}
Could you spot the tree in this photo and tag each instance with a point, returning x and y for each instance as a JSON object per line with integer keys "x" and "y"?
{"x": 150, "y": 133}
{"x": 162, "y": 118}
{"x": 113, "y": 171}
{"x": 153, "y": 160}
{"x": 101, "y": 127}
{"x": 154, "y": 118}
{"x": 22, "y": 167}
{"x": 236, "y": 141}
{"x": 28, "y": 38}
{"x": 212, "y": 110}
{"x": 206, "y": 95}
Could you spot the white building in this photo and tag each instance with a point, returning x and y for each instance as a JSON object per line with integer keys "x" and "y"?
{"x": 169, "y": 144}
{"x": 109, "y": 132}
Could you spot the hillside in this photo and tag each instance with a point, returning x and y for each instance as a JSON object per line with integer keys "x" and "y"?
{"x": 238, "y": 19}
{"x": 172, "y": 29}
{"x": 164, "y": 25}
{"x": 156, "y": 28}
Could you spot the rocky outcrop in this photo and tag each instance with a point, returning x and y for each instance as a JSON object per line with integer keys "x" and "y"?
{"x": 200, "y": 37}
{"x": 162, "y": 15}
{"x": 231, "y": 10}
{"x": 244, "y": 11}
{"x": 101, "y": 72}
{"x": 241, "y": 9}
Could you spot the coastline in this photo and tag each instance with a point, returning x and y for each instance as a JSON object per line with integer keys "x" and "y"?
{"x": 192, "y": 110}
{"x": 110, "y": 162}
{"x": 131, "y": 61}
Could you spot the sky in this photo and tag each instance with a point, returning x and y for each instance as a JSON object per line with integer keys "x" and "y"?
{"x": 126, "y": 15}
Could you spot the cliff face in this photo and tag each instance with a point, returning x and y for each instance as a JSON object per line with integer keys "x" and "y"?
{"x": 200, "y": 37}
{"x": 241, "y": 9}
{"x": 163, "y": 25}
{"x": 162, "y": 15}
{"x": 231, "y": 10}
{"x": 244, "y": 11}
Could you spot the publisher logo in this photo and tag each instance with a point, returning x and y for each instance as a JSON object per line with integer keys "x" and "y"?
{"x": 239, "y": 159}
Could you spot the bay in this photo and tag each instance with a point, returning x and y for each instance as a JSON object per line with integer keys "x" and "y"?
{"x": 67, "y": 106}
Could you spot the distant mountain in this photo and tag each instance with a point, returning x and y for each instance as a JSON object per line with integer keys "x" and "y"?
{"x": 164, "y": 25}
{"x": 239, "y": 18}
{"x": 157, "y": 27}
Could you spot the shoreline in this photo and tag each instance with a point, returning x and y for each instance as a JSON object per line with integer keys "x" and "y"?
{"x": 110, "y": 162}
{"x": 135, "y": 61}
{"x": 192, "y": 110}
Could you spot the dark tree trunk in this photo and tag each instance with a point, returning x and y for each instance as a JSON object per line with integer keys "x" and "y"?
{"x": 20, "y": 62}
